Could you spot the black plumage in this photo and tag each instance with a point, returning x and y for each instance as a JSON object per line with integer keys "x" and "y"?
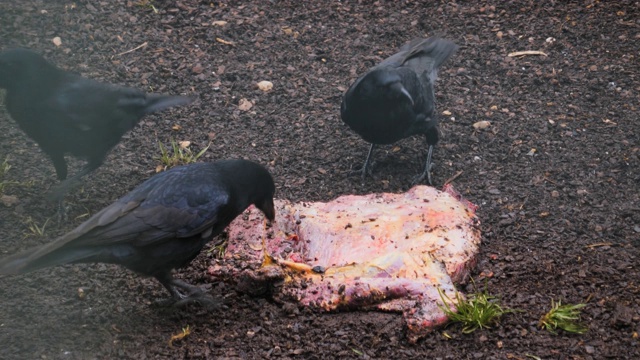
{"x": 160, "y": 225}
{"x": 68, "y": 114}
{"x": 395, "y": 99}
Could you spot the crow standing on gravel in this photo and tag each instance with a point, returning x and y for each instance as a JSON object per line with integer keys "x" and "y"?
{"x": 160, "y": 225}
{"x": 66, "y": 113}
{"x": 395, "y": 99}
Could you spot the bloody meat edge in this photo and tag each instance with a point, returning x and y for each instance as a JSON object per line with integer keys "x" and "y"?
{"x": 389, "y": 252}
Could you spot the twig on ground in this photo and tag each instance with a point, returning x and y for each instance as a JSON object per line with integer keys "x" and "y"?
{"x": 455, "y": 176}
{"x": 525, "y": 53}
{"x": 591, "y": 246}
{"x": 223, "y": 41}
{"x": 132, "y": 50}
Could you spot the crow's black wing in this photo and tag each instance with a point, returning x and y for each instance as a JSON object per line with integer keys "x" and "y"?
{"x": 408, "y": 51}
{"x": 89, "y": 106}
{"x": 424, "y": 56}
{"x": 86, "y": 105}
{"x": 179, "y": 203}
{"x": 176, "y": 204}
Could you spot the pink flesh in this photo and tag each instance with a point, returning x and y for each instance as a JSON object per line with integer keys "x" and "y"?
{"x": 383, "y": 251}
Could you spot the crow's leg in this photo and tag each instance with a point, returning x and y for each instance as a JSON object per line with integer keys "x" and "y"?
{"x": 61, "y": 212}
{"x": 61, "y": 172}
{"x": 183, "y": 293}
{"x": 58, "y": 193}
{"x": 432, "y": 136}
{"x": 59, "y": 163}
{"x": 190, "y": 289}
{"x": 65, "y": 186}
{"x": 366, "y": 169}
{"x": 178, "y": 289}
{"x": 427, "y": 169}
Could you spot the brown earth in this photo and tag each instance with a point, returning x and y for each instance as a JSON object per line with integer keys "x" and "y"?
{"x": 555, "y": 174}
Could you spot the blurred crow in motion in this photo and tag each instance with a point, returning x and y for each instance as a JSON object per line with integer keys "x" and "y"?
{"x": 160, "y": 225}
{"x": 395, "y": 99}
{"x": 66, "y": 113}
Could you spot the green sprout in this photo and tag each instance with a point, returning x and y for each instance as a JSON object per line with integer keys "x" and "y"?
{"x": 475, "y": 312}
{"x": 35, "y": 229}
{"x": 181, "y": 154}
{"x": 4, "y": 169}
{"x": 219, "y": 249}
{"x": 148, "y": 3}
{"x": 563, "y": 317}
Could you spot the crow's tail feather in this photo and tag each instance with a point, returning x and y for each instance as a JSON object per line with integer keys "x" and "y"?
{"x": 156, "y": 102}
{"x": 439, "y": 51}
{"x": 35, "y": 259}
{"x": 425, "y": 56}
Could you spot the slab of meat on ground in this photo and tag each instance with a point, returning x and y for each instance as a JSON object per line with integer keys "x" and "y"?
{"x": 390, "y": 252}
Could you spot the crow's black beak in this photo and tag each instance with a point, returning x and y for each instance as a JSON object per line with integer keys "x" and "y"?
{"x": 269, "y": 210}
{"x": 402, "y": 90}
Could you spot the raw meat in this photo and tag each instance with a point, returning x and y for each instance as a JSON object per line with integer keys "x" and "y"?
{"x": 380, "y": 251}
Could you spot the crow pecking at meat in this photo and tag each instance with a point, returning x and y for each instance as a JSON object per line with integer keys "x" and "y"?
{"x": 160, "y": 225}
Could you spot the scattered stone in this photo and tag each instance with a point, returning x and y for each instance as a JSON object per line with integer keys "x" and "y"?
{"x": 265, "y": 85}
{"x": 481, "y": 125}
{"x": 9, "y": 200}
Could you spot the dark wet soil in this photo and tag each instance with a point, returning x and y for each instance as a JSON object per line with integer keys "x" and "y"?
{"x": 556, "y": 174}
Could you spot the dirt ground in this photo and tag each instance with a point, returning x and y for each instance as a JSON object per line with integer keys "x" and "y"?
{"x": 556, "y": 174}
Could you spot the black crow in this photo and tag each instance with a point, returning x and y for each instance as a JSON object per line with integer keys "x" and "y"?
{"x": 395, "y": 99}
{"x": 160, "y": 225}
{"x": 66, "y": 113}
